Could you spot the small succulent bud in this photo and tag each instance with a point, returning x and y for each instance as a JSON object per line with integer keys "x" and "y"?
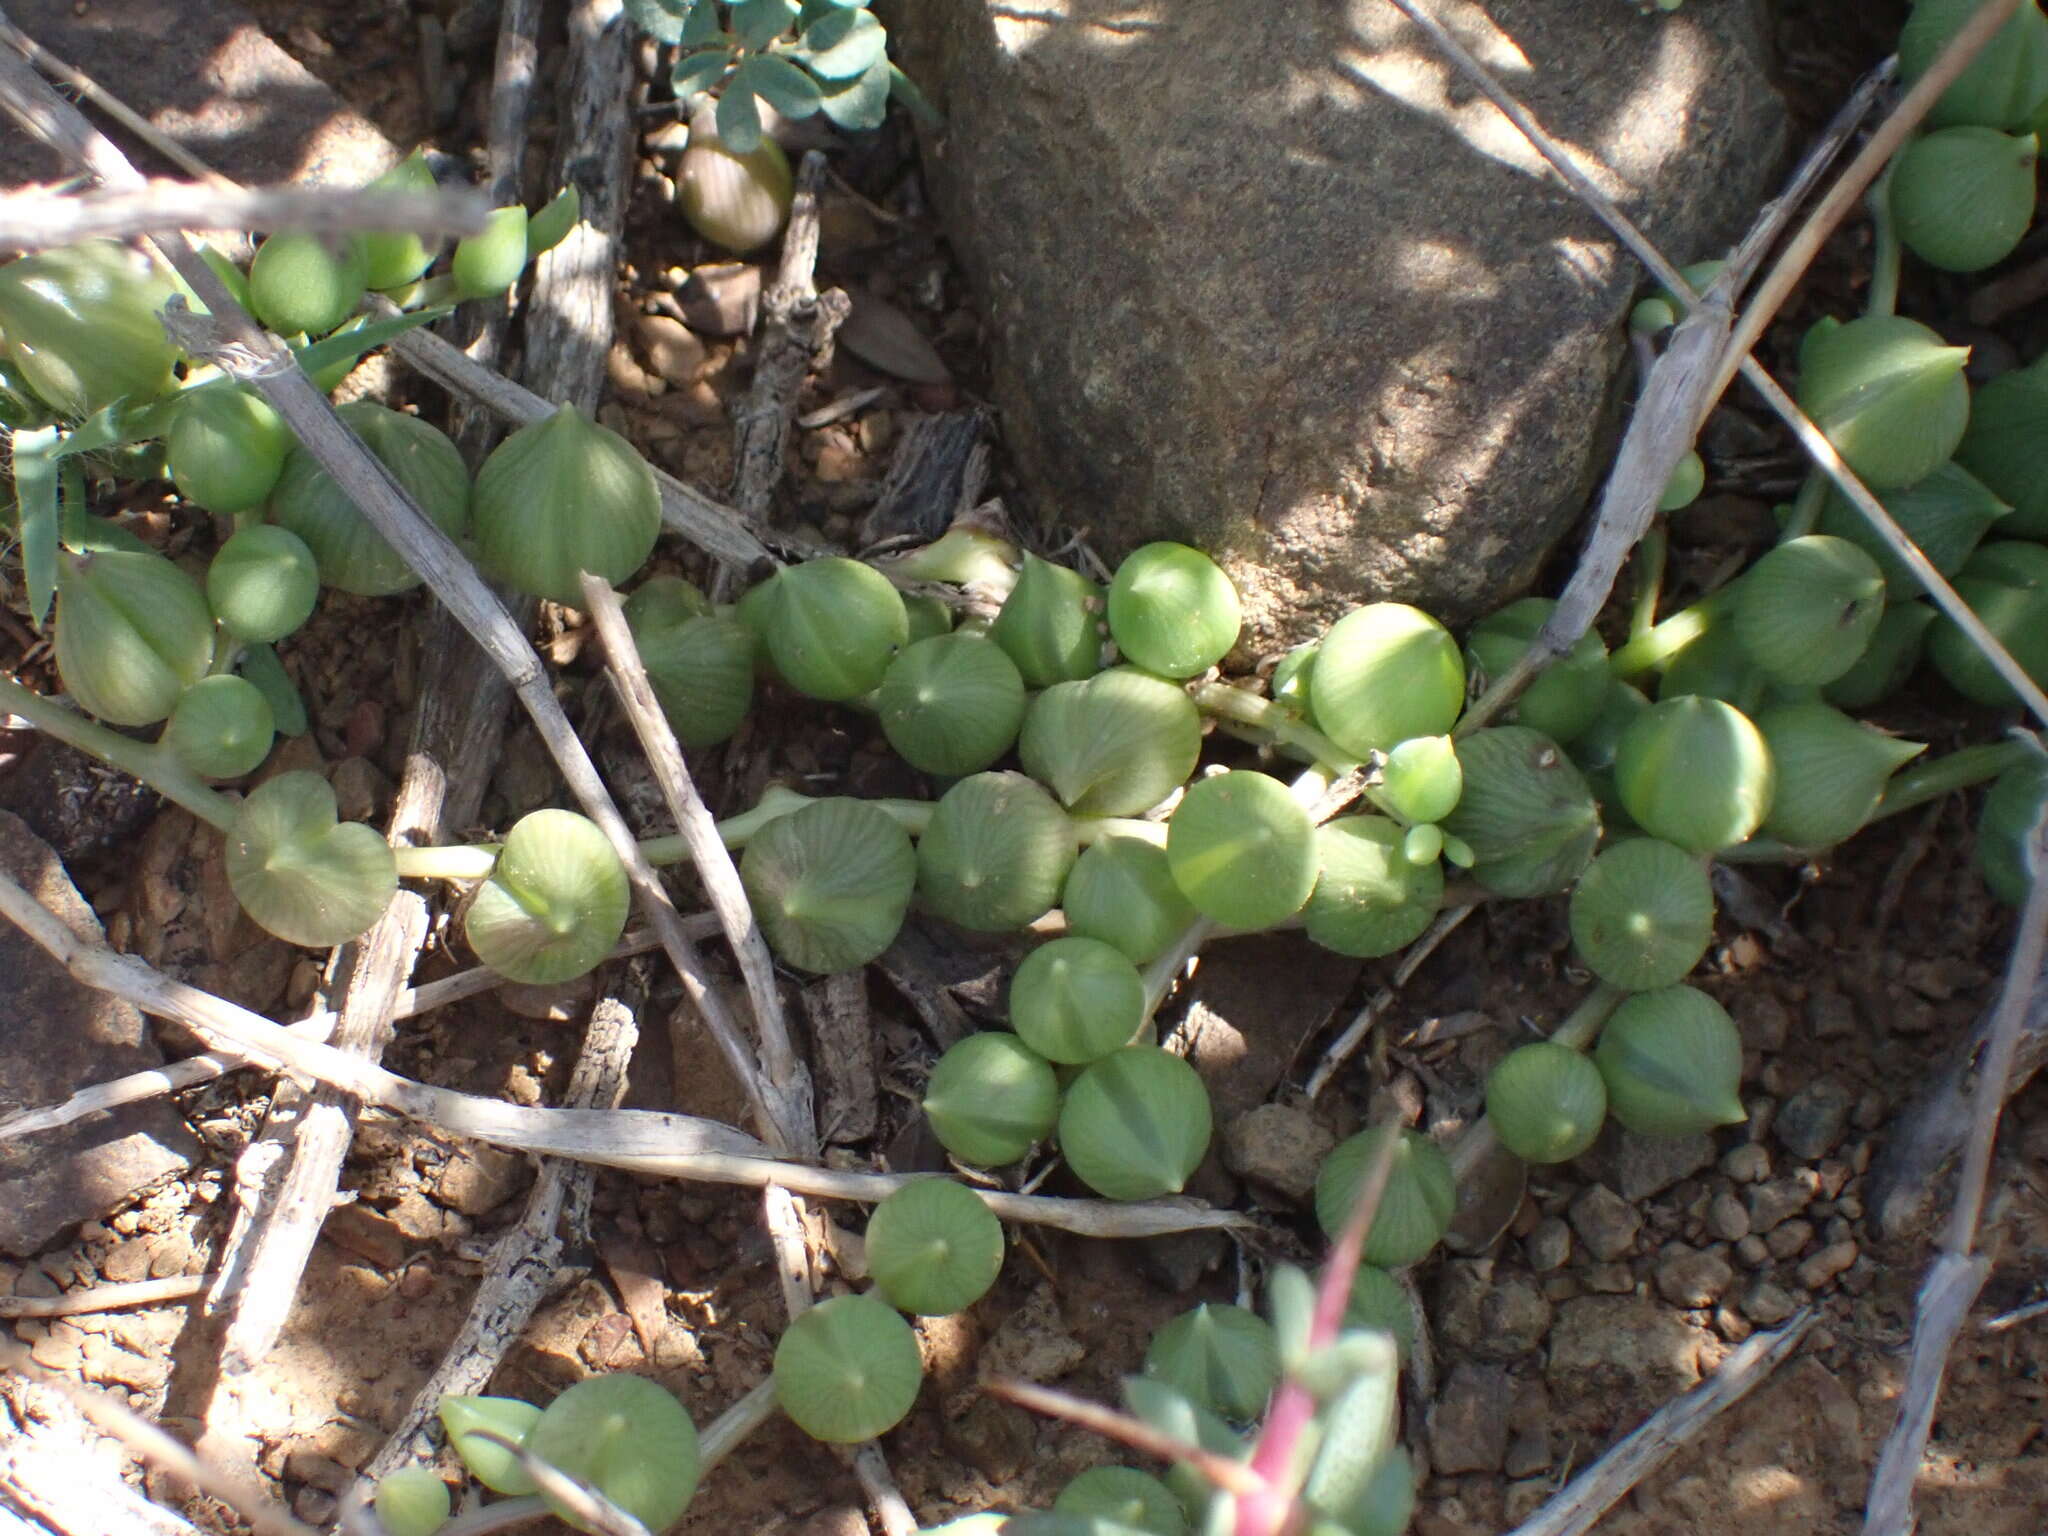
{"x": 550, "y": 226}
{"x": 226, "y": 448}
{"x": 2010, "y": 811}
{"x": 1889, "y": 659}
{"x": 1242, "y": 849}
{"x": 82, "y": 326}
{"x": 1125, "y": 1498}
{"x": 1963, "y": 197}
{"x": 1642, "y": 915}
{"x": 700, "y": 665}
{"x": 951, "y": 705}
{"x": 1695, "y": 772}
{"x": 221, "y": 727}
{"x": 1526, "y": 813}
{"x": 1593, "y": 752}
{"x": 2008, "y": 424}
{"x": 1415, "y": 1209}
{"x": 1808, "y": 608}
{"x": 412, "y": 1501}
{"x": 1384, "y": 673}
{"x": 1672, "y": 1061}
{"x": 1421, "y": 781}
{"x": 830, "y": 883}
{"x": 1222, "y": 1357}
{"x": 930, "y": 617}
{"x": 1051, "y": 624}
{"x": 1685, "y": 484}
{"x": 990, "y": 1097}
{"x": 1172, "y": 610}
{"x": 393, "y": 259}
{"x": 263, "y": 583}
{"x": 487, "y": 264}
{"x": 561, "y": 497}
{"x": 2002, "y": 86}
{"x": 1564, "y": 699}
{"x": 1889, "y": 394}
{"x": 351, "y": 554}
{"x": 1289, "y": 686}
{"x": 735, "y": 201}
{"x": 1115, "y": 745}
{"x": 1121, "y": 891}
{"x": 1945, "y": 514}
{"x": 1832, "y": 772}
{"x": 847, "y": 1370}
{"x": 996, "y": 853}
{"x": 1075, "y": 1000}
{"x": 489, "y": 1463}
{"x": 1546, "y": 1103}
{"x": 556, "y": 903}
{"x": 1370, "y": 898}
{"x": 1135, "y": 1124}
{"x": 626, "y": 1437}
{"x": 301, "y": 872}
{"x": 133, "y": 633}
{"x": 832, "y": 627}
{"x": 307, "y": 282}
{"x": 934, "y": 1248}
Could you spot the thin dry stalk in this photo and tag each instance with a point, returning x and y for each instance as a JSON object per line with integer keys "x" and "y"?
{"x": 54, "y": 1481}
{"x": 39, "y": 220}
{"x": 106, "y": 1298}
{"x": 1367, "y": 1018}
{"x": 91, "y": 90}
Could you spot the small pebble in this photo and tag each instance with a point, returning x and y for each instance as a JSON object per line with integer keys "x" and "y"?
{"x": 1731, "y": 1325}
{"x": 1813, "y": 1121}
{"x": 1727, "y": 1219}
{"x": 1830, "y": 1015}
{"x": 1789, "y": 1239}
{"x": 1605, "y": 1222}
{"x": 1610, "y": 1279}
{"x": 1823, "y": 1266}
{"x": 1549, "y": 1246}
{"x": 1689, "y": 1277}
{"x": 1747, "y": 1164}
{"x": 1769, "y": 1204}
{"x": 1752, "y": 1253}
{"x": 1767, "y": 1304}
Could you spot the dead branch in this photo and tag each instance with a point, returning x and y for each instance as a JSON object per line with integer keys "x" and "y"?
{"x": 40, "y": 220}
{"x": 55, "y": 1475}
{"x": 105, "y": 1298}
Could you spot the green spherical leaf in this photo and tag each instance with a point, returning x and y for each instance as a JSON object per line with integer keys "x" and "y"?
{"x": 2005, "y": 824}
{"x": 1242, "y": 850}
{"x": 351, "y": 554}
{"x": 1894, "y": 651}
{"x": 833, "y": 627}
{"x": 1945, "y": 515}
{"x": 1172, "y": 610}
{"x": 263, "y": 583}
{"x": 302, "y": 874}
{"x": 556, "y": 903}
{"x": 489, "y": 1463}
{"x": 1051, "y": 625}
{"x": 1642, "y": 915}
{"x": 934, "y": 1248}
{"x": 391, "y": 260}
{"x": 996, "y": 853}
{"x": 1546, "y": 1102}
{"x": 1695, "y": 772}
{"x": 413, "y": 1501}
{"x": 1386, "y": 672}
{"x": 1962, "y": 198}
{"x": 1121, "y": 891}
{"x": 1115, "y": 745}
{"x": 1832, "y": 772}
{"x": 702, "y": 673}
{"x": 2003, "y": 587}
{"x": 1527, "y": 815}
{"x": 847, "y": 1370}
{"x": 830, "y": 883}
{"x": 1075, "y": 1000}
{"x": 1421, "y": 781}
{"x": 1672, "y": 1061}
{"x": 952, "y": 704}
{"x": 221, "y": 727}
{"x": 1415, "y": 1210}
{"x": 1222, "y": 1357}
{"x": 1716, "y": 665}
{"x": 1127, "y": 1498}
{"x": 990, "y": 1097}
{"x": 82, "y": 325}
{"x": 1685, "y": 484}
{"x": 2002, "y": 87}
{"x": 1808, "y": 608}
{"x": 1370, "y": 898}
{"x": 1566, "y": 697}
{"x": 1378, "y": 1302}
{"x": 226, "y": 448}
{"x": 626, "y": 1437}
{"x": 2003, "y": 446}
{"x": 560, "y": 497}
{"x": 1135, "y": 1124}
{"x": 133, "y": 633}
{"x": 307, "y": 282}
{"x": 1889, "y": 394}
{"x": 487, "y": 264}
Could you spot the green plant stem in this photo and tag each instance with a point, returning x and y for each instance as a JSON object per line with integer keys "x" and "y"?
{"x": 1886, "y": 253}
{"x": 456, "y": 861}
{"x": 1667, "y": 639}
{"x": 1961, "y": 769}
{"x": 1813, "y": 495}
{"x": 1650, "y": 558}
{"x": 1281, "y": 724}
{"x": 141, "y": 759}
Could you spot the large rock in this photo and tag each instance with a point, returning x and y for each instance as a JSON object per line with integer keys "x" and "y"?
{"x": 1272, "y": 281}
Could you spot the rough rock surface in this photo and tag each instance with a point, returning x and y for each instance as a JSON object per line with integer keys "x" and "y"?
{"x": 1285, "y": 289}
{"x": 61, "y": 1035}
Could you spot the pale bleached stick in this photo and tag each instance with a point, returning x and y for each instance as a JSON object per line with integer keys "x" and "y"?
{"x": 39, "y": 220}
{"x": 1361, "y": 1025}
{"x": 1959, "y": 1271}
{"x": 1580, "y": 1503}
{"x": 91, "y": 90}
{"x": 55, "y": 1481}
{"x": 105, "y": 1298}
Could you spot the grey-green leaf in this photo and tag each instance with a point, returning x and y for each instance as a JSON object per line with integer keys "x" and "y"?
{"x": 862, "y": 102}
{"x": 779, "y": 83}
{"x": 759, "y": 22}
{"x": 739, "y": 120}
{"x": 697, "y": 71}
{"x": 661, "y": 20}
{"x": 843, "y": 45}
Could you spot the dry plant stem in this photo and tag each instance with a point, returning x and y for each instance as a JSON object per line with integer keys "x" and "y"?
{"x": 41, "y": 221}
{"x": 1367, "y": 1018}
{"x": 53, "y": 1477}
{"x": 1959, "y": 1272}
{"x": 780, "y": 1065}
{"x": 1578, "y": 1506}
{"x": 105, "y": 1298}
{"x": 158, "y": 1449}
{"x": 724, "y": 1434}
{"x": 1225, "y": 1473}
{"x": 91, "y": 90}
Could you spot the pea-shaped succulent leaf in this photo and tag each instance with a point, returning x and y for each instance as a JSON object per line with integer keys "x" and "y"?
{"x": 488, "y": 264}
{"x": 1386, "y": 1502}
{"x": 560, "y": 497}
{"x": 1421, "y": 780}
{"x": 300, "y": 872}
{"x": 1962, "y": 197}
{"x": 1221, "y": 1356}
{"x": 1423, "y": 844}
{"x": 1672, "y": 1061}
{"x": 1945, "y": 514}
{"x": 1889, "y": 394}
{"x": 951, "y": 705}
{"x": 1378, "y": 1302}
{"x": 133, "y": 632}
{"x": 1546, "y": 1102}
{"x": 830, "y": 883}
{"x": 933, "y": 1247}
{"x": 1415, "y": 1210}
{"x": 929, "y": 617}
{"x": 1115, "y": 745}
{"x": 82, "y": 325}
{"x": 489, "y": 1463}
{"x": 1695, "y": 772}
{"x": 307, "y": 282}
{"x": 1075, "y": 1000}
{"x": 351, "y": 554}
{"x": 996, "y": 853}
{"x": 393, "y": 259}
{"x": 1134, "y": 1500}
{"x": 1593, "y": 752}
{"x": 737, "y": 201}
{"x": 1135, "y": 1124}
{"x": 2007, "y": 436}
{"x": 702, "y": 673}
{"x": 1685, "y": 484}
{"x": 1889, "y": 659}
{"x": 1370, "y": 898}
{"x": 1715, "y": 664}
{"x": 1175, "y": 1414}
{"x": 1386, "y": 672}
{"x": 550, "y": 225}
{"x": 263, "y": 583}
{"x": 1051, "y": 624}
{"x": 833, "y": 626}
{"x": 226, "y": 448}
{"x": 1566, "y": 697}
{"x": 2004, "y": 84}
{"x": 556, "y": 903}
{"x": 1360, "y": 1406}
{"x": 1808, "y": 608}
{"x": 221, "y": 727}
{"x": 1526, "y": 814}
{"x": 990, "y": 1097}
{"x": 1172, "y": 610}
{"x": 626, "y": 1437}
{"x": 1121, "y": 891}
{"x": 1832, "y": 772}
{"x": 1242, "y": 849}
{"x": 847, "y": 1370}
{"x": 2017, "y": 616}
{"x": 2004, "y": 826}
{"x": 1642, "y": 915}
{"x": 413, "y": 1501}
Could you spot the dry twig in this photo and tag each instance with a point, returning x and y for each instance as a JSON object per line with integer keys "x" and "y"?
{"x": 105, "y": 1298}
{"x": 39, "y": 220}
